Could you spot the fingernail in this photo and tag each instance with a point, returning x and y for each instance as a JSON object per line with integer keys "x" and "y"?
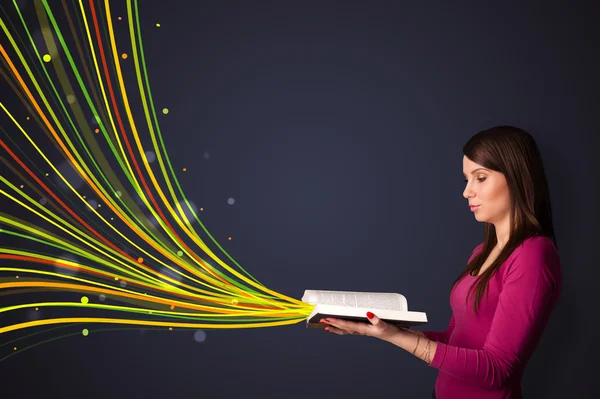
{"x": 327, "y": 329}
{"x": 370, "y": 315}
{"x": 322, "y": 321}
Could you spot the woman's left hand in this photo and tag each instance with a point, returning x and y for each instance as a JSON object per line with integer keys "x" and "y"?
{"x": 377, "y": 328}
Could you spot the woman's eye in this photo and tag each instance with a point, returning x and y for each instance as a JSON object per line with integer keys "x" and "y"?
{"x": 480, "y": 179}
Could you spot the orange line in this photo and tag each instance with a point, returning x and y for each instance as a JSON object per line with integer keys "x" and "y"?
{"x": 103, "y": 274}
{"x": 128, "y": 145}
{"x": 18, "y": 160}
{"x": 90, "y": 183}
{"x": 79, "y": 288}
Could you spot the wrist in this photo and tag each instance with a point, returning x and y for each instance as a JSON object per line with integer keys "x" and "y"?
{"x": 395, "y": 334}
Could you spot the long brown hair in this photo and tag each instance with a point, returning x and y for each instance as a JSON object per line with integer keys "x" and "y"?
{"x": 514, "y": 153}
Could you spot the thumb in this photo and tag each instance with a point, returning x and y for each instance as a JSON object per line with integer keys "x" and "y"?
{"x": 373, "y": 319}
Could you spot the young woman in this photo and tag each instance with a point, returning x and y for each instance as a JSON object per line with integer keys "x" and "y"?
{"x": 502, "y": 300}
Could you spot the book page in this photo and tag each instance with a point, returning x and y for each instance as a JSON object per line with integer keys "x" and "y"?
{"x": 378, "y": 300}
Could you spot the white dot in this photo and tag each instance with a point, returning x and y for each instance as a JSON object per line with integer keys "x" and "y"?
{"x": 171, "y": 274}
{"x": 93, "y": 203}
{"x": 189, "y": 215}
{"x": 102, "y": 297}
{"x": 71, "y": 175}
{"x": 150, "y": 156}
{"x": 152, "y": 221}
{"x": 199, "y": 336}
{"x": 231, "y": 201}
{"x": 68, "y": 268}
{"x": 33, "y": 314}
{"x": 40, "y": 43}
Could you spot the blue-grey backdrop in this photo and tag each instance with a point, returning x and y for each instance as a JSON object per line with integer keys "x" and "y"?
{"x": 337, "y": 127}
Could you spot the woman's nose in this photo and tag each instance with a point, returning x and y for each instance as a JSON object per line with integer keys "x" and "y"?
{"x": 467, "y": 193}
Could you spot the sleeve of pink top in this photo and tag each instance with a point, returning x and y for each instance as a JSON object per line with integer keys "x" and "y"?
{"x": 520, "y": 313}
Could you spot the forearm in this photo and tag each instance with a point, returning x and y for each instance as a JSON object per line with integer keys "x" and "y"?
{"x": 414, "y": 342}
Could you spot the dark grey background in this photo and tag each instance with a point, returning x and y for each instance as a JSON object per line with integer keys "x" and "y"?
{"x": 338, "y": 129}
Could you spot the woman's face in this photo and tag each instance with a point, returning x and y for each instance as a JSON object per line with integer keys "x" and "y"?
{"x": 489, "y": 190}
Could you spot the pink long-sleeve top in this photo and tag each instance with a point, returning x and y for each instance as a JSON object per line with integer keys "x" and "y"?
{"x": 484, "y": 356}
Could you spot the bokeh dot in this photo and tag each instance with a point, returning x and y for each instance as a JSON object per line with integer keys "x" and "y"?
{"x": 47, "y": 58}
{"x": 165, "y": 111}
{"x": 124, "y": 56}
{"x": 158, "y": 25}
{"x": 33, "y": 314}
{"x": 70, "y": 98}
{"x": 92, "y": 203}
{"x": 119, "y": 194}
{"x": 180, "y": 253}
{"x": 150, "y": 156}
{"x": 43, "y": 201}
{"x": 199, "y": 336}
{"x": 140, "y": 260}
{"x": 101, "y": 297}
{"x": 84, "y": 299}
{"x": 123, "y": 283}
{"x": 85, "y": 332}
{"x": 234, "y": 302}
{"x": 231, "y": 201}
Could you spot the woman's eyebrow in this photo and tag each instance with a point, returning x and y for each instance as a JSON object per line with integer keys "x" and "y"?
{"x": 475, "y": 171}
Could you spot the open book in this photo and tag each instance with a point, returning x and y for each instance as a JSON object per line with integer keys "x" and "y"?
{"x": 347, "y": 305}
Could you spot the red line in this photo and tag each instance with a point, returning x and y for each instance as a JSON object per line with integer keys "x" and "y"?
{"x": 123, "y": 134}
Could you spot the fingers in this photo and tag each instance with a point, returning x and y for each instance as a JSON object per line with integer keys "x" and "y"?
{"x": 337, "y": 331}
{"x": 347, "y": 327}
{"x": 373, "y": 319}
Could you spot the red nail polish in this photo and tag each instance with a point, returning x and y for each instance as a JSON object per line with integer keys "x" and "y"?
{"x": 370, "y": 315}
{"x": 327, "y": 329}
